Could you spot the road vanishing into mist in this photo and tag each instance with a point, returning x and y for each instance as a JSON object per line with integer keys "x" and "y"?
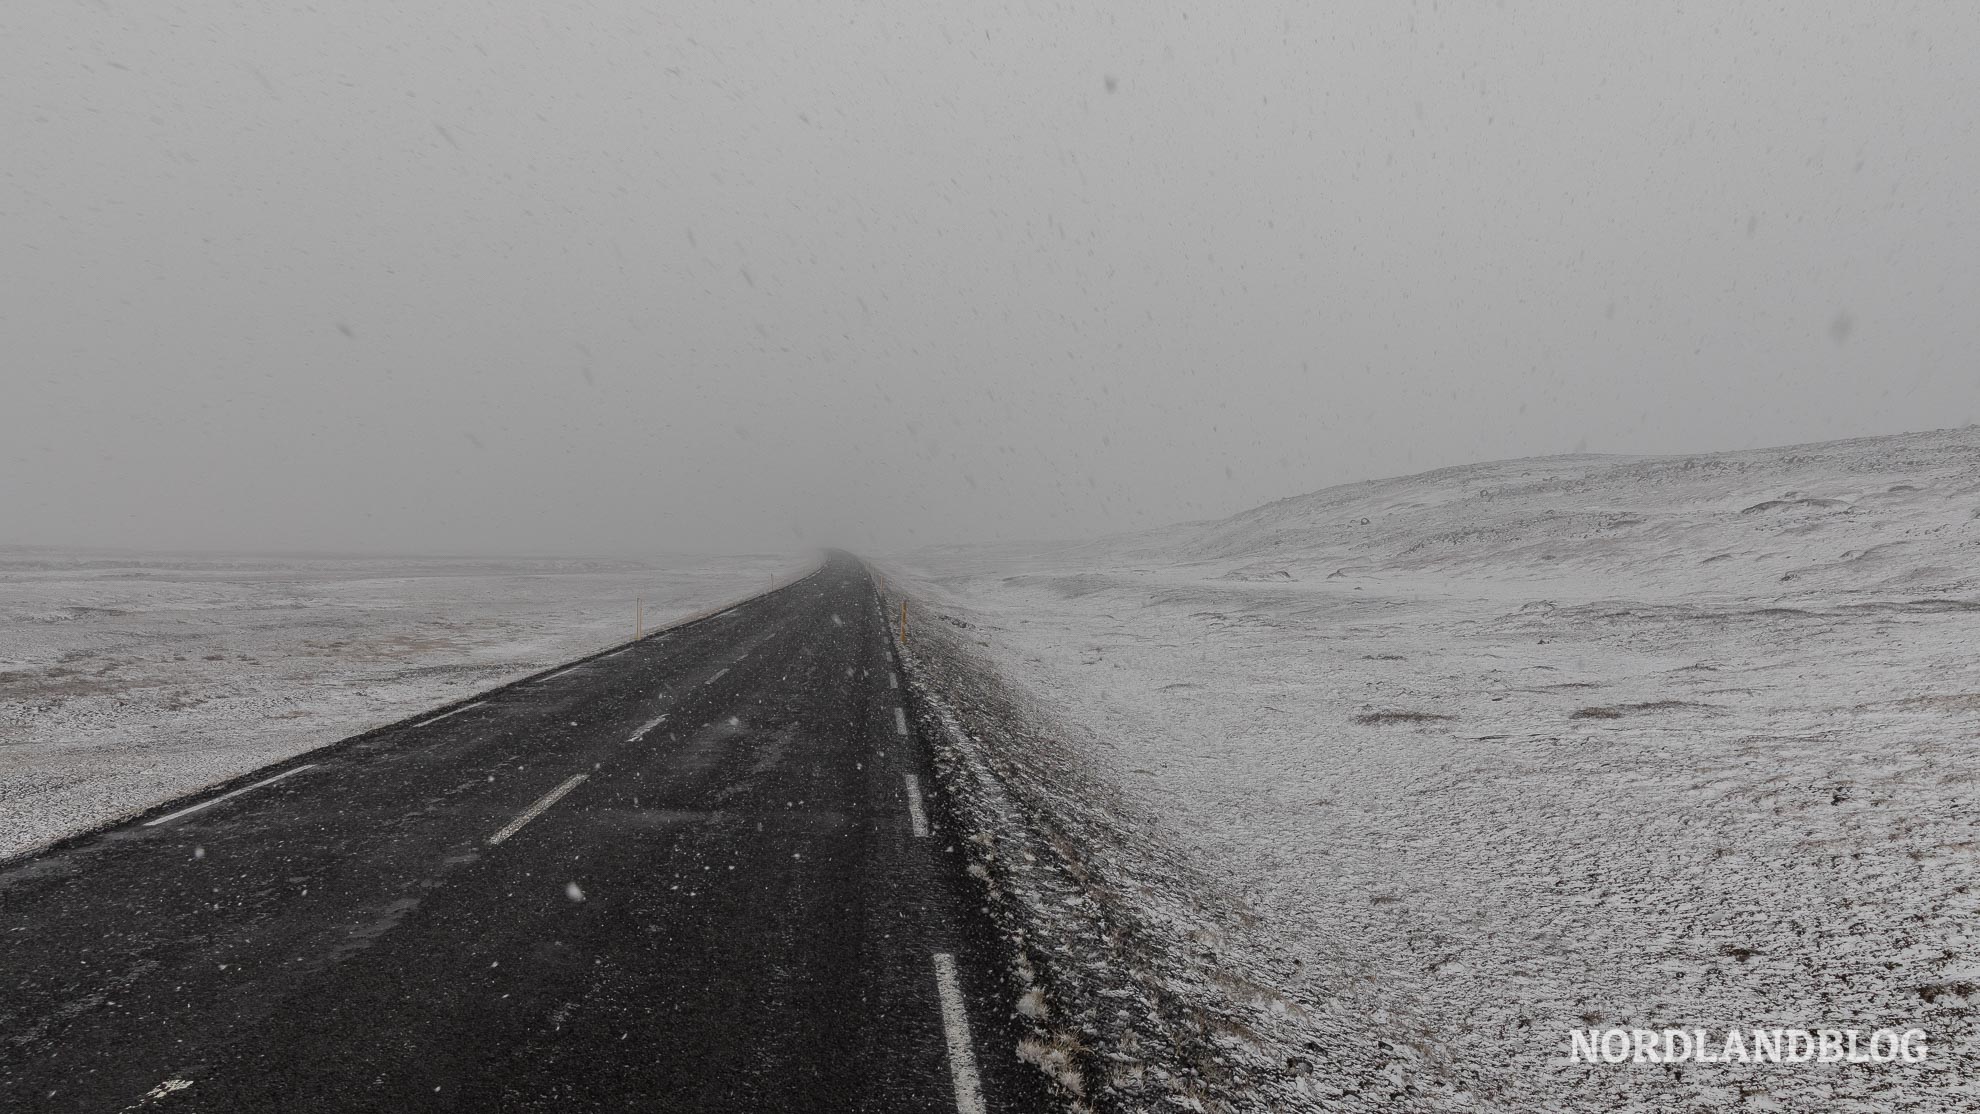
{"x": 705, "y": 872}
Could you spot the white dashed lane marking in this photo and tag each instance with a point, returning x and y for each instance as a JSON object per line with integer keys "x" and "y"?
{"x": 893, "y": 680}
{"x": 227, "y": 796}
{"x": 645, "y": 727}
{"x": 536, "y": 810}
{"x": 170, "y": 1086}
{"x": 955, "y": 1023}
{"x": 900, "y": 722}
{"x": 915, "y": 813}
{"x": 455, "y": 712}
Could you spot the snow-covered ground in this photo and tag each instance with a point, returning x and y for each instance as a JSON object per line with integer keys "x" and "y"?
{"x": 128, "y": 679}
{"x": 1413, "y": 777}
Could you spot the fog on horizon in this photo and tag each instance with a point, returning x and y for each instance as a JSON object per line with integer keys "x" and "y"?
{"x": 619, "y": 277}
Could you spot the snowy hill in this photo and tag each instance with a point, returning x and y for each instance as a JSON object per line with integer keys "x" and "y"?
{"x": 1654, "y": 521}
{"x": 1493, "y": 753}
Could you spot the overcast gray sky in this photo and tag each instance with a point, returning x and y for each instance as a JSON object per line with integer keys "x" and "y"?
{"x": 610, "y": 276}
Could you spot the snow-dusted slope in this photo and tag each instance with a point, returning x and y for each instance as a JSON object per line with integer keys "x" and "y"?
{"x": 128, "y": 679}
{"x": 1497, "y": 752}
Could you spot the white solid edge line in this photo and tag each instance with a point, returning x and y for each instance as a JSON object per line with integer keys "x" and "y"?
{"x": 645, "y": 727}
{"x": 900, "y": 721}
{"x": 915, "y": 814}
{"x": 955, "y": 1022}
{"x": 536, "y": 810}
{"x": 226, "y": 796}
{"x": 455, "y": 712}
{"x": 559, "y": 673}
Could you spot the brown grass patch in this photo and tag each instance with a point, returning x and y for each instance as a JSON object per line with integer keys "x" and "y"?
{"x": 1618, "y": 711}
{"x": 1398, "y": 716}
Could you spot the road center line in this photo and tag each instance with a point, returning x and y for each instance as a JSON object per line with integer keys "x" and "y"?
{"x": 900, "y": 722}
{"x": 536, "y": 810}
{"x": 227, "y": 796}
{"x": 645, "y": 727}
{"x": 455, "y": 712}
{"x": 955, "y": 1022}
{"x": 915, "y": 813}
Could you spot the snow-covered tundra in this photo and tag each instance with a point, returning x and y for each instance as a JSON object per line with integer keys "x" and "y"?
{"x": 127, "y": 679}
{"x": 1370, "y": 798}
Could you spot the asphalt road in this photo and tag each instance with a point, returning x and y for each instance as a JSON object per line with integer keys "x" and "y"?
{"x": 689, "y": 876}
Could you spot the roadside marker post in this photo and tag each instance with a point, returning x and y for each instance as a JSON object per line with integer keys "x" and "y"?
{"x": 903, "y": 622}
